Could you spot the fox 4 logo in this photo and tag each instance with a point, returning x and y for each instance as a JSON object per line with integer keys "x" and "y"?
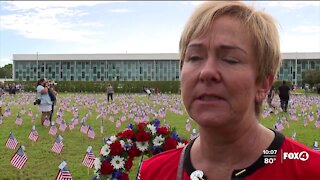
{"x": 303, "y": 156}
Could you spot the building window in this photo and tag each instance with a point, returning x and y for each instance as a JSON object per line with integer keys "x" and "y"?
{"x": 312, "y": 63}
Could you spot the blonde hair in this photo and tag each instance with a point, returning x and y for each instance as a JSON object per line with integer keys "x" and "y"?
{"x": 261, "y": 27}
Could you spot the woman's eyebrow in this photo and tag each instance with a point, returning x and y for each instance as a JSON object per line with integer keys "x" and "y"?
{"x": 194, "y": 45}
{"x": 230, "y": 47}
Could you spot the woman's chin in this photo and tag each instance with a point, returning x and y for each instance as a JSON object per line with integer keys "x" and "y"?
{"x": 212, "y": 121}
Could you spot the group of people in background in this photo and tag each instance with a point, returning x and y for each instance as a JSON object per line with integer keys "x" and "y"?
{"x": 150, "y": 91}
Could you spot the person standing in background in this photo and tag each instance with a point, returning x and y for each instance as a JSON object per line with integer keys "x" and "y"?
{"x": 284, "y": 95}
{"x": 110, "y": 92}
{"x": 53, "y": 96}
{"x": 1, "y": 94}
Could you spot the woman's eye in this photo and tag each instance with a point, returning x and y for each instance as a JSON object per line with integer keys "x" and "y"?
{"x": 194, "y": 58}
{"x": 230, "y": 60}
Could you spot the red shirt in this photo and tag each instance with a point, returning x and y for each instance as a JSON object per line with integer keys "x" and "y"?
{"x": 289, "y": 163}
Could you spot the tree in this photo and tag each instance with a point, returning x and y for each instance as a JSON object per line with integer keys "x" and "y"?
{"x": 6, "y": 71}
{"x": 311, "y": 77}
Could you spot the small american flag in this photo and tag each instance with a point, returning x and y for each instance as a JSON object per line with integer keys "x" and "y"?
{"x": 33, "y": 136}
{"x": 123, "y": 118}
{"x": 23, "y": 110}
{"x": 53, "y": 129}
{"x": 84, "y": 128}
{"x": 89, "y": 158}
{"x": 19, "y": 159}
{"x": 316, "y": 146}
{"x": 30, "y": 113}
{"x": 294, "y": 134}
{"x": 63, "y": 126}
{"x": 71, "y": 125}
{"x": 278, "y": 126}
{"x": 11, "y": 141}
{"x": 91, "y": 134}
{"x": 118, "y": 123}
{"x": 194, "y": 134}
{"x": 18, "y": 120}
{"x": 76, "y": 121}
{"x": 188, "y": 125}
{"x": 58, "y": 145}
{"x": 63, "y": 173}
{"x": 317, "y": 124}
{"x": 46, "y": 122}
{"x": 305, "y": 122}
{"x": 59, "y": 118}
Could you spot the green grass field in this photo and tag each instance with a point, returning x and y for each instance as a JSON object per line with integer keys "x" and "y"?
{"x": 43, "y": 163}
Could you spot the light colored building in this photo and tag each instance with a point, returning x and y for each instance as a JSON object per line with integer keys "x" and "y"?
{"x": 96, "y": 67}
{"x": 295, "y": 64}
{"x": 132, "y": 67}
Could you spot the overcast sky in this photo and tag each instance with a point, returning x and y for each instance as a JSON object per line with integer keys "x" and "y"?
{"x": 60, "y": 27}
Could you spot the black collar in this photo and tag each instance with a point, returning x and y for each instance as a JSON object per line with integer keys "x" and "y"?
{"x": 239, "y": 173}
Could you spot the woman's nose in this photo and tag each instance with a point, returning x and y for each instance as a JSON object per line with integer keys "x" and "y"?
{"x": 210, "y": 71}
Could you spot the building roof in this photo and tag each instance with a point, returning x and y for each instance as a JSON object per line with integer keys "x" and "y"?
{"x": 308, "y": 55}
{"x": 146, "y": 56}
{"x": 54, "y": 57}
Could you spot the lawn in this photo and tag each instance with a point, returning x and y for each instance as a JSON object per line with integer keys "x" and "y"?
{"x": 43, "y": 163}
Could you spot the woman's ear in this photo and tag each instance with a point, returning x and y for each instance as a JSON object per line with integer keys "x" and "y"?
{"x": 264, "y": 88}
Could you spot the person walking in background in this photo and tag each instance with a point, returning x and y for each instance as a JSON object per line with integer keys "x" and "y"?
{"x": 45, "y": 105}
{"x": 284, "y": 95}
{"x": 1, "y": 94}
{"x": 110, "y": 92}
{"x": 229, "y": 56}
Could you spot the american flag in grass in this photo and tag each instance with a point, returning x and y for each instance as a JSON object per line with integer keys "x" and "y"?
{"x": 11, "y": 142}
{"x": 71, "y": 125}
{"x": 316, "y": 146}
{"x": 84, "y": 128}
{"x": 63, "y": 126}
{"x": 89, "y": 158}
{"x": 91, "y": 134}
{"x": 58, "y": 145}
{"x": 53, "y": 129}
{"x": 63, "y": 173}
{"x": 19, "y": 159}
{"x": 46, "y": 122}
{"x": 33, "y": 135}
{"x": 18, "y": 120}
